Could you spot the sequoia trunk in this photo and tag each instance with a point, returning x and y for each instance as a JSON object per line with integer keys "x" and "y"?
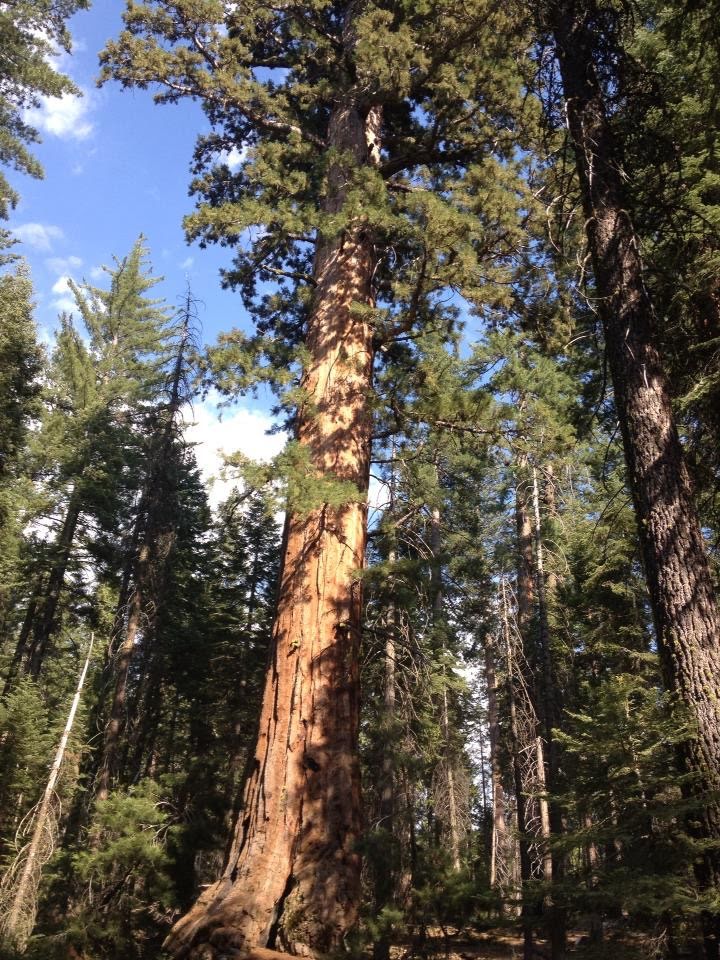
{"x": 292, "y": 876}
{"x": 676, "y": 566}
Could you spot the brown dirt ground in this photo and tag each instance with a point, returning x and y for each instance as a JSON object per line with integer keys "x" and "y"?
{"x": 507, "y": 945}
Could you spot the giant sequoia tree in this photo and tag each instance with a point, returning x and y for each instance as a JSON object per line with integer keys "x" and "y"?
{"x": 346, "y": 113}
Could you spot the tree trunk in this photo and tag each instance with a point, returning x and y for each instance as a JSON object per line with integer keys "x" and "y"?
{"x": 20, "y": 896}
{"x": 452, "y": 814}
{"x": 499, "y": 834}
{"x": 124, "y": 655}
{"x": 436, "y": 590}
{"x": 548, "y": 707}
{"x": 386, "y": 869}
{"x": 292, "y": 877}
{"x": 530, "y": 607}
{"x": 524, "y": 559}
{"x": 21, "y": 646}
{"x": 45, "y": 624}
{"x": 549, "y": 697}
{"x": 520, "y": 797}
{"x": 676, "y": 566}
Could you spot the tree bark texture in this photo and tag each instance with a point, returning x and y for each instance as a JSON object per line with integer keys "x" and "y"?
{"x": 549, "y": 697}
{"x": 499, "y": 871}
{"x": 123, "y": 661}
{"x": 386, "y": 872}
{"x": 525, "y": 565}
{"x": 292, "y": 876}
{"x": 436, "y": 590}
{"x": 679, "y": 581}
{"x": 526, "y": 913}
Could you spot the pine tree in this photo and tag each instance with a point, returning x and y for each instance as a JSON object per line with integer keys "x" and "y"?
{"x": 152, "y": 544}
{"x": 21, "y": 881}
{"x": 30, "y": 32}
{"x": 89, "y": 431}
{"x": 20, "y": 363}
{"x": 670, "y": 143}
{"x": 20, "y": 366}
{"x": 679, "y": 580}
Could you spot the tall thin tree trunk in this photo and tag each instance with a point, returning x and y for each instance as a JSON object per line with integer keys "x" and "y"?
{"x": 21, "y": 646}
{"x": 436, "y": 588}
{"x": 530, "y": 606}
{"x": 499, "y": 832}
{"x": 525, "y": 566}
{"x": 546, "y": 696}
{"x": 526, "y": 912}
{"x": 676, "y": 566}
{"x": 550, "y": 712}
{"x": 386, "y": 871}
{"x": 45, "y": 623}
{"x": 122, "y": 662}
{"x": 292, "y": 877}
{"x": 20, "y": 905}
{"x": 387, "y": 784}
{"x": 453, "y": 823}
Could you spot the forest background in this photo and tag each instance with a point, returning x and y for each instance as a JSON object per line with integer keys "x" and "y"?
{"x": 515, "y": 239}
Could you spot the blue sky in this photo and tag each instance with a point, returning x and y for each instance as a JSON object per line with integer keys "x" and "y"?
{"x": 116, "y": 165}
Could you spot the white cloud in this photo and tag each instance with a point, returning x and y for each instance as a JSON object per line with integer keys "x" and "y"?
{"x": 61, "y": 286}
{"x": 241, "y": 429}
{"x": 65, "y": 304}
{"x": 187, "y": 263}
{"x": 65, "y": 116}
{"x": 233, "y": 158}
{"x": 38, "y": 235}
{"x": 60, "y": 265}
{"x": 97, "y": 272}
{"x": 64, "y": 299}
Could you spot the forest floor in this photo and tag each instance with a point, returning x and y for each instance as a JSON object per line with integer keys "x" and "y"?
{"x": 503, "y": 944}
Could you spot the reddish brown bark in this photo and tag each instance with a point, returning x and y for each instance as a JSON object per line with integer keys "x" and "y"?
{"x": 676, "y": 566}
{"x": 292, "y": 875}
